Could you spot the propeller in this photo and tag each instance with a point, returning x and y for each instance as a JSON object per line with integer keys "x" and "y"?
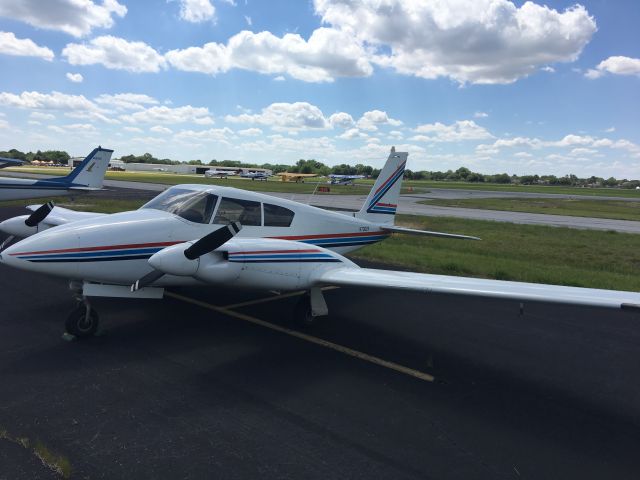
{"x": 206, "y": 244}
{"x": 39, "y": 215}
{"x": 32, "y": 220}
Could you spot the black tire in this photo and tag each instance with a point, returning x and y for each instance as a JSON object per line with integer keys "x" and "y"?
{"x": 302, "y": 312}
{"x": 81, "y": 326}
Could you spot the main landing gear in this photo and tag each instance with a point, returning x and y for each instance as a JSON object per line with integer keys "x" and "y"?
{"x": 310, "y": 306}
{"x": 83, "y": 321}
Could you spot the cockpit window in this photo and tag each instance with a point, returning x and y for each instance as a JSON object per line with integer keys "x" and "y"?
{"x": 234, "y": 210}
{"x": 277, "y": 216}
{"x": 193, "y": 205}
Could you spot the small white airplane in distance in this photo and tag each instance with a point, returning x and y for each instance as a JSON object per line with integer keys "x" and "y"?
{"x": 87, "y": 176}
{"x": 343, "y": 179}
{"x": 212, "y": 235}
{"x": 214, "y": 173}
{"x": 255, "y": 175}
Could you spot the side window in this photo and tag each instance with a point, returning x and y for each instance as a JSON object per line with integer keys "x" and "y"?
{"x": 276, "y": 216}
{"x": 234, "y": 210}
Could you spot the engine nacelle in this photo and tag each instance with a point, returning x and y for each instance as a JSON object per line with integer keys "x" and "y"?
{"x": 15, "y": 226}
{"x": 269, "y": 264}
{"x": 171, "y": 260}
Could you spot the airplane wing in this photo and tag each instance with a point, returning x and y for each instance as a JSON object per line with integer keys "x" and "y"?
{"x": 61, "y": 215}
{"x": 428, "y": 283}
{"x": 10, "y": 162}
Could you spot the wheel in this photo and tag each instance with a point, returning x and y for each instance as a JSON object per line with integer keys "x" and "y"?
{"x": 302, "y": 312}
{"x": 81, "y": 325}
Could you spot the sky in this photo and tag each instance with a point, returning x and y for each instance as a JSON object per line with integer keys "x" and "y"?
{"x": 493, "y": 85}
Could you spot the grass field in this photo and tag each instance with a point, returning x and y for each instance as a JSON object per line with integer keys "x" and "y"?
{"x": 529, "y": 253}
{"x": 620, "y": 210}
{"x": 497, "y": 187}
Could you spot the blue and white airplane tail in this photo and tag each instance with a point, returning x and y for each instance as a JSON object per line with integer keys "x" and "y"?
{"x": 382, "y": 202}
{"x": 89, "y": 175}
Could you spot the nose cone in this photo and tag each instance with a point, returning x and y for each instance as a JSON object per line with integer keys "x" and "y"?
{"x": 42, "y": 253}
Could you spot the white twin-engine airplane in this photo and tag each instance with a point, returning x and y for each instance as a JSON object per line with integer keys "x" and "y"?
{"x": 201, "y": 234}
{"x": 87, "y": 176}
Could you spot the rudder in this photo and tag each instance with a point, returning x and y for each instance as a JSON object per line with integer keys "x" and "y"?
{"x": 381, "y": 204}
{"x": 90, "y": 173}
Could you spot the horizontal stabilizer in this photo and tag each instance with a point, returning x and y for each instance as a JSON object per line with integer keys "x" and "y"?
{"x": 426, "y": 233}
{"x": 479, "y": 287}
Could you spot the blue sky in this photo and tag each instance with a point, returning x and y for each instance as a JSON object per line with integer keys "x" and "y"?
{"x": 494, "y": 85}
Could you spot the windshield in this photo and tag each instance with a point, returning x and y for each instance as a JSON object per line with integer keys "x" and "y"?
{"x": 195, "y": 206}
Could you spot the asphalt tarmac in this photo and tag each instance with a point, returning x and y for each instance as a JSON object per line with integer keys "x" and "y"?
{"x": 213, "y": 383}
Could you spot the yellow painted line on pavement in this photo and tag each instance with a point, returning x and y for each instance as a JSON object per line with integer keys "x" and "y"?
{"x": 309, "y": 338}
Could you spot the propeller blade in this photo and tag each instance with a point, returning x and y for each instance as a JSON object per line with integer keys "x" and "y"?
{"x": 147, "y": 280}
{"x": 40, "y": 214}
{"x": 210, "y": 242}
{"x": 6, "y": 242}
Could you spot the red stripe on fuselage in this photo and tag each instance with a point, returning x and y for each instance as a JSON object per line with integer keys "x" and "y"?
{"x": 107, "y": 247}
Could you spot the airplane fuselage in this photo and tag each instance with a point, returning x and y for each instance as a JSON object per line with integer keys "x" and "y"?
{"x": 115, "y": 248}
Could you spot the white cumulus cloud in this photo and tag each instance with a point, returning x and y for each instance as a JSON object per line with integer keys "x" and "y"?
{"x": 373, "y": 119}
{"x": 115, "y": 53}
{"x": 196, "y": 11}
{"x": 75, "y": 77}
{"x": 476, "y": 41}
{"x": 75, "y": 17}
{"x": 167, "y": 115}
{"x": 341, "y": 120}
{"x": 285, "y": 116}
{"x": 458, "y": 131}
{"x": 617, "y": 66}
{"x": 327, "y": 54}
{"x": 23, "y": 47}
{"x": 126, "y": 101}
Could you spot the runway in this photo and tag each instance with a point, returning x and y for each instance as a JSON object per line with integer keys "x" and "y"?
{"x": 214, "y": 383}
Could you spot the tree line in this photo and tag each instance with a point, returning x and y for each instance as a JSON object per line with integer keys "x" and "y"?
{"x": 462, "y": 174}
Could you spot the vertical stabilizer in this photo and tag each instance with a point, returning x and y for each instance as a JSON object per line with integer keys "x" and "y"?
{"x": 381, "y": 204}
{"x": 90, "y": 173}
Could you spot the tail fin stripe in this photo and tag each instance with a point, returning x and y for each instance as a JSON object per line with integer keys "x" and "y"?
{"x": 401, "y": 167}
{"x": 387, "y": 185}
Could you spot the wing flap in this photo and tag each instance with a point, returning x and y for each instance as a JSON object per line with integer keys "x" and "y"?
{"x": 428, "y": 283}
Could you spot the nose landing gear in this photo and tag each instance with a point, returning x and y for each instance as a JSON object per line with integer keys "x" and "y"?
{"x": 83, "y": 321}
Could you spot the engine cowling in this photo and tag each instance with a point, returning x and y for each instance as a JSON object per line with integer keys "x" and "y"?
{"x": 265, "y": 263}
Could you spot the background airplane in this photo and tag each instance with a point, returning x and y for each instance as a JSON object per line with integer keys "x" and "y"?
{"x": 213, "y": 173}
{"x": 343, "y": 179}
{"x": 10, "y": 162}
{"x": 295, "y": 177}
{"x": 255, "y": 175}
{"x": 89, "y": 175}
{"x": 205, "y": 234}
